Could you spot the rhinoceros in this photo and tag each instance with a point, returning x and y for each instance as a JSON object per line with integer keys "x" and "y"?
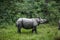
{"x": 29, "y": 23}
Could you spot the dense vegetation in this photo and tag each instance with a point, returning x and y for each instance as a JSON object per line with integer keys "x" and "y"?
{"x": 11, "y": 10}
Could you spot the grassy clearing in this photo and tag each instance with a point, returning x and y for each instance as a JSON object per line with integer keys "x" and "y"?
{"x": 45, "y": 32}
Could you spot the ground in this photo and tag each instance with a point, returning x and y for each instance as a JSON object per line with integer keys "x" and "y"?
{"x": 45, "y": 32}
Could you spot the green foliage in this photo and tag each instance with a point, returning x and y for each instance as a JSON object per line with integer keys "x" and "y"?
{"x": 11, "y": 10}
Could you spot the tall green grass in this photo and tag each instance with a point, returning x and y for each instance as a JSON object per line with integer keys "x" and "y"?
{"x": 45, "y": 32}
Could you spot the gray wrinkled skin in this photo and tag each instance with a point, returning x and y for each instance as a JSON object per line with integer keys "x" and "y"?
{"x": 29, "y": 23}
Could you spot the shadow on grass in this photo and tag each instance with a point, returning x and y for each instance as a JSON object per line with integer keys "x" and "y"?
{"x": 27, "y": 33}
{"x": 57, "y": 38}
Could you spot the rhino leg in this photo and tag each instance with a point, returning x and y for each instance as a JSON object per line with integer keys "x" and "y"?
{"x": 34, "y": 29}
{"x": 59, "y": 27}
{"x": 19, "y": 29}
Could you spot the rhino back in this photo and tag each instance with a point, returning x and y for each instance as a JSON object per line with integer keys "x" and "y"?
{"x": 29, "y": 23}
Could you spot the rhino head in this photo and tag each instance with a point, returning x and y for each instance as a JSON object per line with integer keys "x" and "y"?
{"x": 42, "y": 21}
